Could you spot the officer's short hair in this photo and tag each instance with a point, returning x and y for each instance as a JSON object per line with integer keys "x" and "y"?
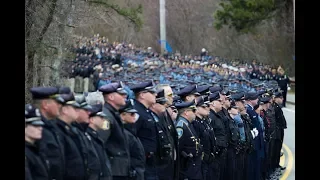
{"x": 161, "y": 86}
{"x": 180, "y": 111}
{"x": 37, "y": 103}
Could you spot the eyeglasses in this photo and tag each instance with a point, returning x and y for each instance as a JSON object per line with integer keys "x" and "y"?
{"x": 170, "y": 95}
{"x": 132, "y": 114}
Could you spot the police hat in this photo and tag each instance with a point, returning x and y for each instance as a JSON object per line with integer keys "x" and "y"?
{"x": 129, "y": 107}
{"x": 200, "y": 102}
{"x": 278, "y": 94}
{"x": 206, "y": 100}
{"x": 176, "y": 99}
{"x": 214, "y": 96}
{"x": 32, "y": 116}
{"x": 261, "y": 92}
{"x": 46, "y": 93}
{"x": 113, "y": 87}
{"x": 186, "y": 105}
{"x": 251, "y": 96}
{"x": 96, "y": 110}
{"x": 160, "y": 98}
{"x": 215, "y": 89}
{"x": 82, "y": 102}
{"x": 238, "y": 96}
{"x": 145, "y": 86}
{"x": 233, "y": 104}
{"x": 188, "y": 90}
{"x": 64, "y": 90}
{"x": 265, "y": 100}
{"x": 203, "y": 89}
{"x": 69, "y": 100}
{"x": 226, "y": 92}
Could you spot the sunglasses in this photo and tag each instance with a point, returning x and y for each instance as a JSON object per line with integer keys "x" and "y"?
{"x": 193, "y": 110}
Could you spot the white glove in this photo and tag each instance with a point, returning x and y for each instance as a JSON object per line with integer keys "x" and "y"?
{"x": 289, "y": 88}
{"x": 253, "y": 135}
{"x": 256, "y": 132}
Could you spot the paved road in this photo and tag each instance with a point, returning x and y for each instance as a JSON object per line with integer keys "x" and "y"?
{"x": 289, "y": 144}
{"x": 291, "y": 98}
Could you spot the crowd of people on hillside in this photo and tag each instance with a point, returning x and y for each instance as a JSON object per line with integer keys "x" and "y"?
{"x": 106, "y": 62}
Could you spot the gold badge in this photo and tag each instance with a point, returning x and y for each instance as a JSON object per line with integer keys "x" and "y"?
{"x": 106, "y": 124}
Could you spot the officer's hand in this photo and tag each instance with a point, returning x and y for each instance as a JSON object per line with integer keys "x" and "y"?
{"x": 289, "y": 88}
{"x": 256, "y": 132}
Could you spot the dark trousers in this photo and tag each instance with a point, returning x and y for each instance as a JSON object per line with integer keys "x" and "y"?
{"x": 120, "y": 178}
{"x": 272, "y": 154}
{"x": 253, "y": 166}
{"x": 284, "y": 95}
{"x": 166, "y": 171}
{"x": 230, "y": 170}
{"x": 151, "y": 173}
{"x": 248, "y": 164}
{"x": 222, "y": 159}
{"x": 240, "y": 165}
{"x": 266, "y": 163}
{"x": 205, "y": 171}
{"x": 214, "y": 170}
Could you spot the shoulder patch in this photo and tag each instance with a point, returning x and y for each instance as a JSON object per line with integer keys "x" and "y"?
{"x": 106, "y": 124}
{"x": 180, "y": 132}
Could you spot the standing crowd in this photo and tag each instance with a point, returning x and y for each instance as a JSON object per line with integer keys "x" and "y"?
{"x": 160, "y": 118}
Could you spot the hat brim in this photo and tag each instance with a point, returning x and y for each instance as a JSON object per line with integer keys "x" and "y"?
{"x": 36, "y": 123}
{"x": 100, "y": 114}
{"x": 86, "y": 107}
{"x": 59, "y": 99}
{"x": 73, "y": 104}
{"x": 131, "y": 111}
{"x": 122, "y": 91}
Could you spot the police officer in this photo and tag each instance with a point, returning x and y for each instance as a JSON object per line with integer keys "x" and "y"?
{"x": 281, "y": 124}
{"x": 251, "y": 101}
{"x": 233, "y": 136}
{"x": 265, "y": 104}
{"x": 76, "y": 165}
{"x": 116, "y": 143}
{"x": 147, "y": 127}
{"x": 96, "y": 122}
{"x": 170, "y": 117}
{"x": 35, "y": 166}
{"x": 88, "y": 150}
{"x": 189, "y": 93}
{"x": 206, "y": 135}
{"x": 218, "y": 125}
{"x": 189, "y": 143}
{"x": 284, "y": 83}
{"x": 166, "y": 143}
{"x": 49, "y": 102}
{"x": 239, "y": 154}
{"x": 249, "y": 135}
{"x": 137, "y": 155}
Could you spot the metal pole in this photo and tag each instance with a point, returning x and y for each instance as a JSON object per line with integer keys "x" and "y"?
{"x": 163, "y": 25}
{"x": 294, "y": 16}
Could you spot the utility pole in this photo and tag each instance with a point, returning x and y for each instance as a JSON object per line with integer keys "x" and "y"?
{"x": 163, "y": 25}
{"x": 294, "y": 16}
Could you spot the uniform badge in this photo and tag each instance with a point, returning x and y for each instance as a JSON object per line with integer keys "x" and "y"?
{"x": 106, "y": 124}
{"x": 67, "y": 127}
{"x": 180, "y": 132}
{"x": 37, "y": 112}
